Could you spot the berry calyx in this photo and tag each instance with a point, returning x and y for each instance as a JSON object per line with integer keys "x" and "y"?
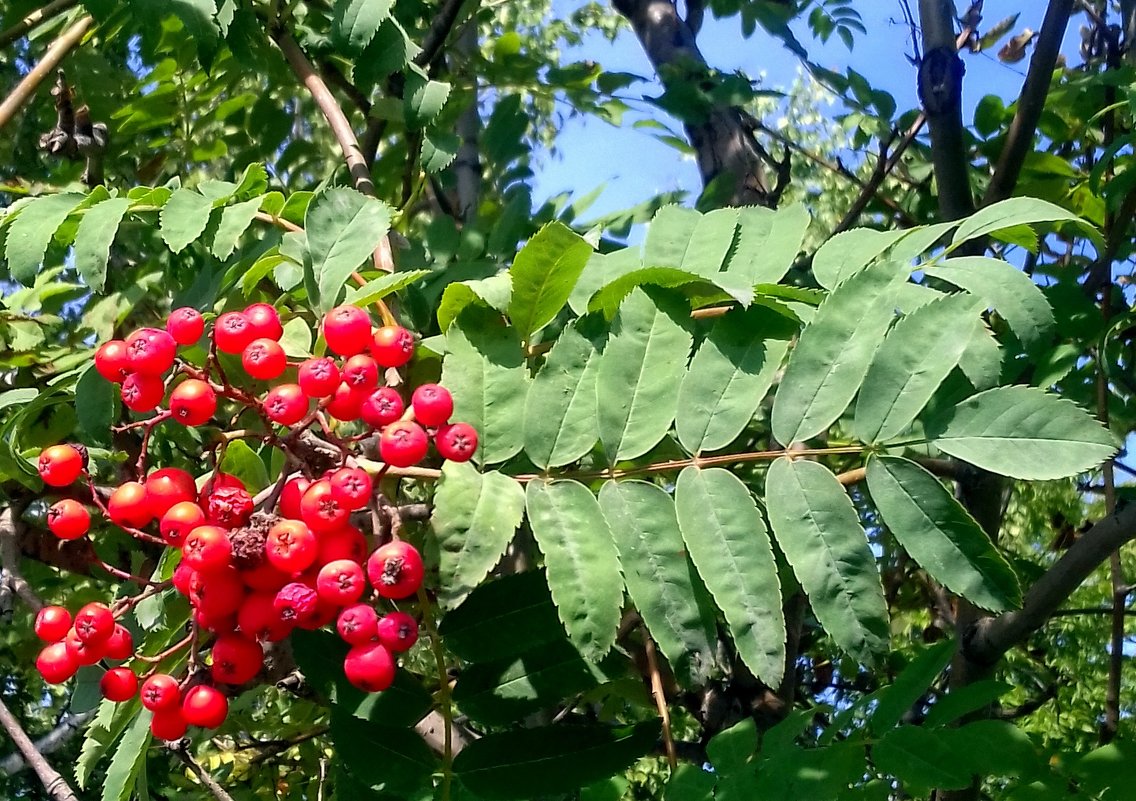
{"x": 319, "y": 378}
{"x": 347, "y": 330}
{"x": 185, "y": 325}
{"x": 320, "y": 509}
{"x": 52, "y": 623}
{"x": 296, "y": 603}
{"x": 392, "y": 346}
{"x": 60, "y": 465}
{"x": 456, "y": 442}
{"x": 403, "y": 443}
{"x": 142, "y": 393}
{"x": 370, "y": 667}
{"x": 264, "y": 359}
{"x": 351, "y": 487}
{"x": 236, "y": 659}
{"x": 258, "y": 620}
{"x": 286, "y": 404}
{"x": 232, "y": 332}
{"x": 357, "y": 624}
{"x": 94, "y": 623}
{"x": 265, "y": 321}
{"x": 361, "y": 372}
{"x": 347, "y": 402}
{"x": 151, "y": 351}
{"x": 395, "y": 570}
{"x": 230, "y": 507}
{"x": 398, "y": 631}
{"x": 193, "y": 402}
{"x": 160, "y": 691}
{"x": 68, "y": 519}
{"x": 118, "y": 684}
{"x": 179, "y": 520}
{"x": 207, "y": 548}
{"x": 84, "y": 653}
{"x": 291, "y": 546}
{"x": 382, "y": 407}
{"x": 168, "y": 487}
{"x": 205, "y": 706}
{"x": 341, "y": 582}
{"x": 432, "y": 404}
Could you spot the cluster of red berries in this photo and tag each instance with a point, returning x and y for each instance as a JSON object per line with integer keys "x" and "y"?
{"x": 251, "y": 576}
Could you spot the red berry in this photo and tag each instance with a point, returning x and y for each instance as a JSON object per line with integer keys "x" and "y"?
{"x": 127, "y": 505}
{"x": 68, "y": 519}
{"x": 403, "y": 443}
{"x": 286, "y": 404}
{"x": 319, "y": 377}
{"x": 236, "y": 659}
{"x": 259, "y": 620}
{"x": 395, "y": 570}
{"x": 291, "y": 546}
{"x": 295, "y": 602}
{"x": 112, "y": 361}
{"x": 264, "y": 359}
{"x": 118, "y": 684}
{"x": 217, "y": 593}
{"x": 142, "y": 393}
{"x": 347, "y": 403}
{"x": 323, "y": 614}
{"x": 361, "y": 372}
{"x": 60, "y": 465}
{"x": 185, "y": 325}
{"x": 56, "y": 663}
{"x": 232, "y": 332}
{"x": 215, "y": 482}
{"x": 320, "y": 510}
{"x": 183, "y": 578}
{"x": 151, "y": 351}
{"x": 370, "y": 667}
{"x": 205, "y": 706}
{"x": 456, "y": 442}
{"x": 265, "y": 321}
{"x": 168, "y": 724}
{"x": 382, "y": 407}
{"x": 52, "y": 623}
{"x": 294, "y": 489}
{"x": 347, "y": 542}
{"x": 215, "y": 625}
{"x": 207, "y": 548}
{"x": 230, "y": 507}
{"x": 94, "y": 623}
{"x": 393, "y": 346}
{"x": 160, "y": 691}
{"x": 120, "y": 645}
{"x": 193, "y": 402}
{"x": 357, "y": 624}
{"x": 351, "y": 487}
{"x": 341, "y": 582}
{"x": 347, "y": 330}
{"x": 168, "y": 487}
{"x": 265, "y": 578}
{"x": 398, "y": 631}
{"x": 179, "y": 520}
{"x": 432, "y": 404}
{"x": 84, "y": 653}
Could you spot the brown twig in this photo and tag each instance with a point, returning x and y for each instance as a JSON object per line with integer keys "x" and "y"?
{"x": 55, "y": 785}
{"x": 35, "y": 19}
{"x": 660, "y": 701}
{"x": 438, "y": 32}
{"x": 50, "y": 742}
{"x": 180, "y": 749}
{"x": 55, "y": 53}
{"x": 11, "y": 578}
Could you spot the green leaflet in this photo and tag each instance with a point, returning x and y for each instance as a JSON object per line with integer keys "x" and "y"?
{"x": 819, "y": 532}
{"x": 601, "y": 270}
{"x": 939, "y": 534}
{"x": 379, "y": 288}
{"x": 1009, "y": 290}
{"x": 96, "y": 232}
{"x": 981, "y": 362}
{"x": 484, "y": 369}
{"x": 128, "y": 761}
{"x": 660, "y": 579}
{"x": 439, "y": 149}
{"x": 833, "y": 353}
{"x": 234, "y": 220}
{"x": 726, "y": 538}
{"x": 896, "y": 699}
{"x": 343, "y": 229}
{"x": 107, "y": 726}
{"x": 580, "y": 560}
{"x": 963, "y": 700}
{"x": 243, "y": 462}
{"x": 502, "y": 618}
{"x": 30, "y": 233}
{"x": 921, "y": 759}
{"x": 493, "y": 292}
{"x": 560, "y": 407}
{"x": 690, "y": 241}
{"x": 1023, "y": 432}
{"x": 609, "y": 298}
{"x": 356, "y": 21}
{"x": 1017, "y": 211}
{"x": 184, "y": 218}
{"x": 550, "y": 760}
{"x": 728, "y": 378}
{"x": 638, "y": 377}
{"x": 95, "y": 405}
{"x": 849, "y": 252}
{"x": 423, "y": 99}
{"x": 994, "y": 748}
{"x": 767, "y": 243}
{"x": 474, "y": 519}
{"x": 543, "y": 274}
{"x": 914, "y": 359}
{"x": 390, "y": 758}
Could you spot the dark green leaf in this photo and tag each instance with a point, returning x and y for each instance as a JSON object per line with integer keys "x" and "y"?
{"x": 234, "y": 220}
{"x": 921, "y": 759}
{"x": 439, "y": 149}
{"x": 423, "y": 99}
{"x": 383, "y": 757}
{"x": 31, "y": 232}
{"x": 963, "y": 700}
{"x": 95, "y": 406}
{"x": 355, "y": 22}
{"x": 896, "y": 699}
{"x": 243, "y": 462}
{"x": 503, "y": 618}
{"x": 560, "y": 408}
{"x": 94, "y": 237}
{"x": 384, "y": 285}
{"x": 184, "y": 218}
{"x": 128, "y": 761}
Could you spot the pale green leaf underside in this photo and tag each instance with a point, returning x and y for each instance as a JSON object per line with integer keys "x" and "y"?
{"x": 32, "y": 230}
{"x": 767, "y": 243}
{"x": 96, "y": 232}
{"x": 184, "y": 218}
{"x": 543, "y": 274}
{"x": 343, "y": 229}
{"x": 560, "y": 408}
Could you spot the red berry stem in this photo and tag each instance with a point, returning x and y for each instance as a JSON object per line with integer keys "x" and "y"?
{"x": 166, "y": 654}
{"x": 123, "y": 575}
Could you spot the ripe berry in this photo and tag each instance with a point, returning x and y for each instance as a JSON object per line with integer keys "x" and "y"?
{"x": 127, "y": 505}
{"x": 403, "y": 443}
{"x": 265, "y": 577}
{"x": 286, "y": 404}
{"x": 160, "y": 691}
{"x": 295, "y": 602}
{"x": 398, "y": 631}
{"x": 94, "y": 623}
{"x": 120, "y": 644}
{"x": 341, "y": 582}
{"x": 193, "y": 402}
{"x": 370, "y": 667}
{"x": 217, "y": 593}
{"x": 258, "y": 619}
{"x": 167, "y": 487}
{"x": 357, "y": 624}
{"x": 347, "y": 542}
{"x": 205, "y": 706}
{"x": 294, "y": 489}
{"x": 215, "y": 625}
{"x": 151, "y": 351}
{"x": 56, "y": 663}
{"x": 185, "y": 325}
{"x": 319, "y": 377}
{"x": 142, "y": 393}
{"x": 168, "y": 724}
{"x": 232, "y": 332}
{"x": 361, "y": 372}
{"x": 68, "y": 519}
{"x": 456, "y": 442}
{"x": 179, "y": 520}
{"x": 52, "y": 623}
{"x": 320, "y": 510}
{"x": 264, "y": 359}
{"x": 84, "y": 653}
{"x": 60, "y": 465}
{"x": 183, "y": 578}
{"x": 432, "y": 404}
{"x": 323, "y": 614}
{"x": 382, "y": 407}
{"x": 351, "y": 487}
{"x": 118, "y": 684}
{"x": 230, "y": 507}
{"x": 207, "y": 548}
{"x": 393, "y": 346}
{"x": 112, "y": 361}
{"x": 395, "y": 570}
{"x": 291, "y": 546}
{"x": 236, "y": 659}
{"x": 347, "y": 403}
{"x": 347, "y": 330}
{"x": 265, "y": 321}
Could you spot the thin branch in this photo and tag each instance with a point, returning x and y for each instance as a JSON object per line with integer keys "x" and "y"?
{"x": 1091, "y": 610}
{"x": 35, "y": 19}
{"x": 55, "y": 53}
{"x": 661, "y": 701}
{"x": 11, "y": 578}
{"x": 181, "y": 750}
{"x": 55, "y": 785}
{"x": 1111, "y": 722}
{"x": 50, "y": 742}
{"x": 444, "y": 702}
{"x": 438, "y": 32}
